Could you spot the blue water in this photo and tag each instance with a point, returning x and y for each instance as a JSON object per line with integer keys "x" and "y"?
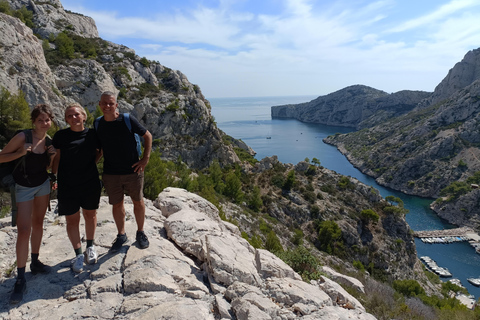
{"x": 249, "y": 119}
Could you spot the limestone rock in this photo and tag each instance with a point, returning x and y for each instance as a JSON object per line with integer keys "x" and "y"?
{"x": 166, "y": 279}
{"x": 356, "y": 106}
{"x": 49, "y": 17}
{"x": 23, "y": 66}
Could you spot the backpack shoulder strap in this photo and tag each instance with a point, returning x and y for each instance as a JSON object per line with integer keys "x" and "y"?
{"x": 126, "y": 116}
{"x": 48, "y": 141}
{"x": 96, "y": 122}
{"x": 28, "y": 135}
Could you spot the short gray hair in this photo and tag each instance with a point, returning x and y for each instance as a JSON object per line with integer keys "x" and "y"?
{"x": 109, "y": 94}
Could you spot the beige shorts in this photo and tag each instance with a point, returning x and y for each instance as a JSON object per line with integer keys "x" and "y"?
{"x": 117, "y": 185}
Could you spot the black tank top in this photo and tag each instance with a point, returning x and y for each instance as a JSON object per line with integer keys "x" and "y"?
{"x": 34, "y": 172}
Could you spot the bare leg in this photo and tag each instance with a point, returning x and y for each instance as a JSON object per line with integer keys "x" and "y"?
{"x": 118, "y": 211}
{"x": 139, "y": 211}
{"x": 40, "y": 205}
{"x": 24, "y": 229}
{"x": 73, "y": 222}
{"x": 90, "y": 217}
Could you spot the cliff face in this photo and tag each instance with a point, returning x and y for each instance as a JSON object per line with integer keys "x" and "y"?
{"x": 197, "y": 267}
{"x": 464, "y": 211}
{"x": 23, "y": 65}
{"x": 460, "y": 76}
{"x": 355, "y": 106}
{"x": 172, "y": 109}
{"x": 425, "y": 150}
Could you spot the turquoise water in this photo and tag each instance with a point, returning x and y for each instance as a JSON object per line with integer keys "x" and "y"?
{"x": 292, "y": 141}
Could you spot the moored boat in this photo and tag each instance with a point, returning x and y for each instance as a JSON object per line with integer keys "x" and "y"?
{"x": 474, "y": 281}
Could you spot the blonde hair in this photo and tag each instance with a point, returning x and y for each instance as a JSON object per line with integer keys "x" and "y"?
{"x": 76, "y": 105}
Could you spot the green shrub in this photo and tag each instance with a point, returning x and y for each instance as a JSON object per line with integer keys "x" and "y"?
{"x": 329, "y": 236}
{"x": 368, "y": 215}
{"x": 272, "y": 243}
{"x": 65, "y": 46}
{"x": 302, "y": 261}
{"x": 290, "y": 181}
{"x": 408, "y": 288}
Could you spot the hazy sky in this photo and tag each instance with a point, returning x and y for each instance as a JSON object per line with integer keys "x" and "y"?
{"x": 240, "y": 48}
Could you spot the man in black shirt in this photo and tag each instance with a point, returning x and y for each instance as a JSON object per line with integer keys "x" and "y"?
{"x": 123, "y": 171}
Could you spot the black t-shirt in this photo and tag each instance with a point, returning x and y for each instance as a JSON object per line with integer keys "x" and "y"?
{"x": 118, "y": 144}
{"x": 77, "y": 165}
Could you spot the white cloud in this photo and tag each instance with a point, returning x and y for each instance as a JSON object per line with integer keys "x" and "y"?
{"x": 436, "y": 16}
{"x": 308, "y": 47}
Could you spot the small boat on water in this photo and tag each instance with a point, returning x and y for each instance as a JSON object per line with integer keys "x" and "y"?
{"x": 442, "y": 272}
{"x": 474, "y": 281}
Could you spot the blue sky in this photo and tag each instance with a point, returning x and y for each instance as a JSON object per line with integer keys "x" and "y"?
{"x": 247, "y": 48}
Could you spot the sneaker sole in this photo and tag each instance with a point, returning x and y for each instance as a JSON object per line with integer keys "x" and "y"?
{"x": 143, "y": 247}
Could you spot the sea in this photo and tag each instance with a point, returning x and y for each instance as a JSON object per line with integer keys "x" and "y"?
{"x": 292, "y": 141}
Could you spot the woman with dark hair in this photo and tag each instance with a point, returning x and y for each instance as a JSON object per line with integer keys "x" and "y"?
{"x": 78, "y": 182}
{"x": 32, "y": 189}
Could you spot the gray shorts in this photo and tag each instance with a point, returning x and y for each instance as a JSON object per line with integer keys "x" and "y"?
{"x": 29, "y": 193}
{"x": 117, "y": 184}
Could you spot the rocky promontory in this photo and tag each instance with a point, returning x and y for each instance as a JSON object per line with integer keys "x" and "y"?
{"x": 197, "y": 267}
{"x": 355, "y": 106}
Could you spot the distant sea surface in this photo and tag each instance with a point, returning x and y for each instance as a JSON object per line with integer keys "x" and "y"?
{"x": 249, "y": 119}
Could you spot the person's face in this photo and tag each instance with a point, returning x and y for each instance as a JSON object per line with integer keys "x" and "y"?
{"x": 42, "y": 122}
{"x": 108, "y": 105}
{"x": 74, "y": 117}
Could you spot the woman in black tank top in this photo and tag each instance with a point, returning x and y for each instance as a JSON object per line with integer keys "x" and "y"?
{"x": 32, "y": 196}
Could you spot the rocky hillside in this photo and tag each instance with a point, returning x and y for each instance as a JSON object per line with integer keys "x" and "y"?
{"x": 383, "y": 240}
{"x": 425, "y": 150}
{"x": 60, "y": 59}
{"x": 356, "y": 106}
{"x": 197, "y": 267}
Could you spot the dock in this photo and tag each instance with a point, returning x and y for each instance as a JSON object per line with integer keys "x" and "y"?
{"x": 450, "y": 236}
{"x": 456, "y": 232}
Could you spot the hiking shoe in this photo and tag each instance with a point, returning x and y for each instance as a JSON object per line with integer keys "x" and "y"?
{"x": 77, "y": 263}
{"x": 90, "y": 255}
{"x": 38, "y": 267}
{"x": 142, "y": 240}
{"x": 118, "y": 243}
{"x": 18, "y": 290}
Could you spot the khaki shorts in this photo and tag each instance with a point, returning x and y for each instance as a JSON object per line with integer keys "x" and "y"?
{"x": 117, "y": 184}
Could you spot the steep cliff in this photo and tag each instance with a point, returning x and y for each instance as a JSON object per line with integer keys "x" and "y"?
{"x": 68, "y": 62}
{"x": 425, "y": 150}
{"x": 356, "y": 106}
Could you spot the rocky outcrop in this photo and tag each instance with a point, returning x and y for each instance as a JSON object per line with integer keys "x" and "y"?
{"x": 173, "y": 109}
{"x": 50, "y": 18}
{"x": 356, "y": 106}
{"x": 23, "y": 65}
{"x": 463, "y": 211}
{"x": 197, "y": 267}
{"x": 460, "y": 76}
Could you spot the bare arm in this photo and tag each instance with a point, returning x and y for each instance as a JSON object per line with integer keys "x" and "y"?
{"x": 98, "y": 155}
{"x": 55, "y": 163}
{"x": 14, "y": 149}
{"x": 140, "y": 165}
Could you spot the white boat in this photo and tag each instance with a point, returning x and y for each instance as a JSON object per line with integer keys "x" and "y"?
{"x": 474, "y": 281}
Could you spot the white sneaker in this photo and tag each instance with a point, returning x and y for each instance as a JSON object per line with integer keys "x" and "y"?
{"x": 90, "y": 255}
{"x": 77, "y": 263}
